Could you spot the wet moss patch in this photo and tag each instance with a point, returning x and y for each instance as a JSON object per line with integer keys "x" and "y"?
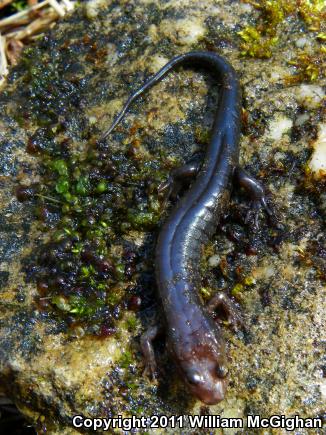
{"x": 87, "y": 203}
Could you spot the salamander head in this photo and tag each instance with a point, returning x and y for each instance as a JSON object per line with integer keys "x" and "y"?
{"x": 206, "y": 380}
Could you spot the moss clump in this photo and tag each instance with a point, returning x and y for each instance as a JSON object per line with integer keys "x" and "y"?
{"x": 202, "y": 135}
{"x": 309, "y": 68}
{"x": 140, "y": 219}
{"x": 239, "y": 288}
{"x": 87, "y": 203}
{"x": 256, "y": 44}
{"x": 260, "y": 40}
{"x": 313, "y": 256}
{"x": 313, "y": 13}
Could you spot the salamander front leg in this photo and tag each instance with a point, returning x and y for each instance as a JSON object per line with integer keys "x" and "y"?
{"x": 257, "y": 193}
{"x": 146, "y": 344}
{"x": 178, "y": 177}
{"x": 221, "y": 300}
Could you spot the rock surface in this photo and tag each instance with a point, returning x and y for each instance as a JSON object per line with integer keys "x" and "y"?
{"x": 85, "y": 69}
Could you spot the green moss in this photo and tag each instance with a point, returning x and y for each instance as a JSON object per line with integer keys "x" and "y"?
{"x": 141, "y": 219}
{"x": 249, "y": 281}
{"x": 260, "y": 40}
{"x": 101, "y": 187}
{"x": 256, "y": 44}
{"x": 206, "y": 293}
{"x": 239, "y": 288}
{"x": 126, "y": 359}
{"x": 61, "y": 167}
{"x": 321, "y": 36}
{"x": 91, "y": 194}
{"x": 312, "y": 12}
{"x": 81, "y": 307}
{"x": 61, "y": 303}
{"x": 131, "y": 322}
{"x": 202, "y": 135}
{"x": 309, "y": 68}
{"x": 62, "y": 185}
{"x": 83, "y": 186}
{"x": 19, "y": 5}
{"x": 120, "y": 270}
{"x": 91, "y": 209}
{"x": 113, "y": 298}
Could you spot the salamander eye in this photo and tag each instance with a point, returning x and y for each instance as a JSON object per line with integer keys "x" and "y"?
{"x": 222, "y": 371}
{"x": 193, "y": 378}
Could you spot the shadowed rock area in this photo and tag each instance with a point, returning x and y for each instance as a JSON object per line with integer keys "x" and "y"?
{"x": 77, "y": 269}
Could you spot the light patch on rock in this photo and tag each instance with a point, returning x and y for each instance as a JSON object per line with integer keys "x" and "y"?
{"x": 157, "y": 63}
{"x": 277, "y": 73}
{"x": 153, "y": 33}
{"x": 112, "y": 55}
{"x": 92, "y": 120}
{"x": 266, "y": 271}
{"x": 186, "y": 31}
{"x": 279, "y": 126}
{"x": 234, "y": 409}
{"x": 309, "y": 95}
{"x": 114, "y": 107}
{"x": 323, "y": 390}
{"x": 93, "y": 6}
{"x": 214, "y": 260}
{"x": 278, "y": 156}
{"x": 245, "y": 8}
{"x": 301, "y": 119}
{"x": 317, "y": 163}
{"x": 302, "y": 42}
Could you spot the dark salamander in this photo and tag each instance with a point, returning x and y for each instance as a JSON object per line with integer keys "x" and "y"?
{"x": 194, "y": 339}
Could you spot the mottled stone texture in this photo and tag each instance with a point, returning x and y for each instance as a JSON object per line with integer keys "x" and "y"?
{"x": 276, "y": 362}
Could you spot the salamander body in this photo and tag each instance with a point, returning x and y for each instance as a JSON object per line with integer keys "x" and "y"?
{"x": 194, "y": 339}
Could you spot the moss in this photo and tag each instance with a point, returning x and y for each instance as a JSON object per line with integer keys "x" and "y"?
{"x": 81, "y": 307}
{"x": 309, "y": 68}
{"x": 206, "y": 293}
{"x": 259, "y": 41}
{"x": 101, "y": 188}
{"x": 249, "y": 281}
{"x": 256, "y": 44}
{"x": 313, "y": 256}
{"x": 61, "y": 303}
{"x": 62, "y": 185}
{"x": 60, "y": 166}
{"x": 202, "y": 135}
{"x": 131, "y": 322}
{"x": 321, "y": 36}
{"x": 140, "y": 219}
{"x": 126, "y": 359}
{"x": 83, "y": 186}
{"x": 95, "y": 195}
{"x": 312, "y": 12}
{"x": 239, "y": 288}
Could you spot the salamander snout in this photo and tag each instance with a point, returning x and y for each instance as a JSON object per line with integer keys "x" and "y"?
{"x": 207, "y": 381}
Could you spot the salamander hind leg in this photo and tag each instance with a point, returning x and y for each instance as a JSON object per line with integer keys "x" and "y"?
{"x": 146, "y": 344}
{"x": 257, "y": 193}
{"x": 221, "y": 300}
{"x": 178, "y": 177}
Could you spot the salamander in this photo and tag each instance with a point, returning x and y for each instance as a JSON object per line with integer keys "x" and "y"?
{"x": 194, "y": 339}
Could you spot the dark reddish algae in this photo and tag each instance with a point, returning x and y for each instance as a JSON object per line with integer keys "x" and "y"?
{"x": 194, "y": 339}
